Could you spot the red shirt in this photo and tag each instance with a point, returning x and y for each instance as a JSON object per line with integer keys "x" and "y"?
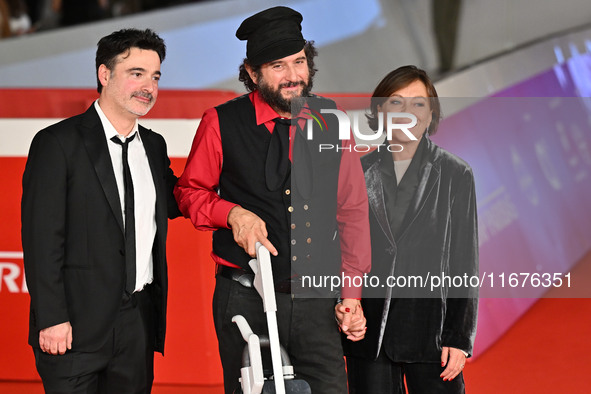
{"x": 198, "y": 199}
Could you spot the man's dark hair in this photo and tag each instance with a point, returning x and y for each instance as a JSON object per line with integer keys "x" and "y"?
{"x": 244, "y": 77}
{"x": 109, "y": 47}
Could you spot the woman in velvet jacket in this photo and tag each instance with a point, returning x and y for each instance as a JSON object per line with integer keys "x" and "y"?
{"x": 423, "y": 231}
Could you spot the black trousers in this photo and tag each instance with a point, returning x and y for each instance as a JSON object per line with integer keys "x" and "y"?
{"x": 384, "y": 376}
{"x": 124, "y": 364}
{"x": 307, "y": 330}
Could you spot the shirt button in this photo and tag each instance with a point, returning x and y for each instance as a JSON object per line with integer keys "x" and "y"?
{"x": 287, "y": 191}
{"x": 293, "y": 226}
{"x": 305, "y": 207}
{"x": 307, "y": 224}
{"x": 309, "y": 240}
{"x": 294, "y": 258}
{"x": 290, "y": 209}
{"x": 293, "y": 241}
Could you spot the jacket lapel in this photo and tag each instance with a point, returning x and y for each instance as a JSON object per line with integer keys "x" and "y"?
{"x": 428, "y": 178}
{"x": 375, "y": 195}
{"x": 94, "y": 139}
{"x": 157, "y": 172}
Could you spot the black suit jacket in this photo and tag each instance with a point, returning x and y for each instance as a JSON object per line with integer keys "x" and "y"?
{"x": 72, "y": 230}
{"x": 438, "y": 234}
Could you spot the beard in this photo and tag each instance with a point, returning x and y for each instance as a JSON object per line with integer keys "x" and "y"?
{"x": 146, "y": 107}
{"x": 275, "y": 99}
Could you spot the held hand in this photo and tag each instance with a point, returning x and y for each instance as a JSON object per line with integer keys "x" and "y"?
{"x": 56, "y": 339}
{"x": 351, "y": 320}
{"x": 454, "y": 360}
{"x": 248, "y": 229}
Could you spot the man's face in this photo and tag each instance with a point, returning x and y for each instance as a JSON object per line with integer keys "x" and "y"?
{"x": 131, "y": 87}
{"x": 282, "y": 80}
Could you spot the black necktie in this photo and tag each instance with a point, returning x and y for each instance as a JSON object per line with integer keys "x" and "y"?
{"x": 302, "y": 166}
{"x": 277, "y": 164}
{"x": 129, "y": 217}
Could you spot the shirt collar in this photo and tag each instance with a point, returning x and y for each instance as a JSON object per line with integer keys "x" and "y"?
{"x": 265, "y": 113}
{"x": 110, "y": 131}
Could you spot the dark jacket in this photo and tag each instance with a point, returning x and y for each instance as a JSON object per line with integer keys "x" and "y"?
{"x": 437, "y": 236}
{"x": 72, "y": 230}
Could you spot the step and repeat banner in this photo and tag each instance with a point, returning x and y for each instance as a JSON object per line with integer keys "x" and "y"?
{"x": 529, "y": 145}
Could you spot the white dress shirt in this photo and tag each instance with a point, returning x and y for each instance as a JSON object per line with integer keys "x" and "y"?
{"x": 144, "y": 192}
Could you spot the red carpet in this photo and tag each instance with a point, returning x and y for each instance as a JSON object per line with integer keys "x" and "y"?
{"x": 547, "y": 351}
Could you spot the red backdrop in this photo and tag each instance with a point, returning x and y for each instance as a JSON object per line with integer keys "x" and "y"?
{"x": 191, "y": 345}
{"x": 191, "y": 355}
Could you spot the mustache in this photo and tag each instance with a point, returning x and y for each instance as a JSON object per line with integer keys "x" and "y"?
{"x": 143, "y": 94}
{"x": 291, "y": 84}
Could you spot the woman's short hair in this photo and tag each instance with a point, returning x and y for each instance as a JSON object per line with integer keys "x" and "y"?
{"x": 399, "y": 79}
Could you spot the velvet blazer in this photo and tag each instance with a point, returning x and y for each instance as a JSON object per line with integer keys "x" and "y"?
{"x": 437, "y": 237}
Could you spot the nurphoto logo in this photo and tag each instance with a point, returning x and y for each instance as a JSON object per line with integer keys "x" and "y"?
{"x": 395, "y": 122}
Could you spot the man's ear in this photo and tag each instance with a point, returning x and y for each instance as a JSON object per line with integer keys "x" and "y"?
{"x": 103, "y": 75}
{"x": 251, "y": 73}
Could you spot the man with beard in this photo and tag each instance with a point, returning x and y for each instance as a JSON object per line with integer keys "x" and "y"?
{"x": 97, "y": 192}
{"x": 253, "y": 176}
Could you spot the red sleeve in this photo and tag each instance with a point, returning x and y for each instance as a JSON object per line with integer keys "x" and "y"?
{"x": 196, "y": 189}
{"x": 353, "y": 219}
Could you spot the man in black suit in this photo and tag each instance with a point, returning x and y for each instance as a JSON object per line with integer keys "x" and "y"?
{"x": 97, "y": 192}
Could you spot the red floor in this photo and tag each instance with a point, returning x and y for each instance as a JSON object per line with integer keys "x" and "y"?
{"x": 547, "y": 351}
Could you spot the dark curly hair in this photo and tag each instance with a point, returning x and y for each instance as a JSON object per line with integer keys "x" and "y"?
{"x": 244, "y": 77}
{"x": 116, "y": 43}
{"x": 399, "y": 79}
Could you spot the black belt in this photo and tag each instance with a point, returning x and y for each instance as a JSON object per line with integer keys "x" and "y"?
{"x": 246, "y": 278}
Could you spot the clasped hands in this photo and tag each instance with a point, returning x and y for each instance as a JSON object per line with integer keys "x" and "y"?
{"x": 350, "y": 318}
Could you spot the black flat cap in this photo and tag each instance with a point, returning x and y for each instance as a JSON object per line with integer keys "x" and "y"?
{"x": 272, "y": 34}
